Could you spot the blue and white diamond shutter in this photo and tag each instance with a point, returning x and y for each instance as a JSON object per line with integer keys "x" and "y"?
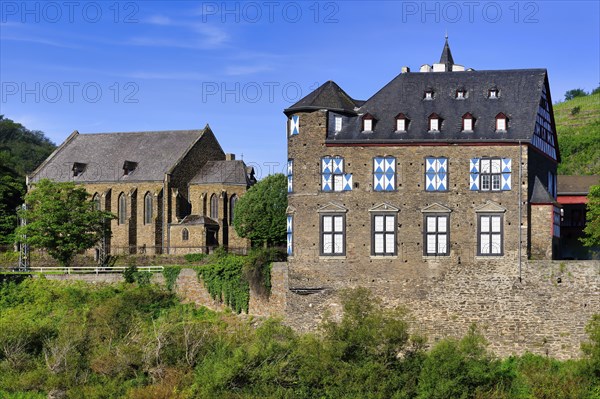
{"x": 347, "y": 182}
{"x": 384, "y": 174}
{"x": 474, "y": 174}
{"x": 294, "y": 125}
{"x": 290, "y": 175}
{"x": 506, "y": 174}
{"x": 326, "y": 172}
{"x": 436, "y": 174}
{"x": 442, "y": 174}
{"x": 290, "y": 233}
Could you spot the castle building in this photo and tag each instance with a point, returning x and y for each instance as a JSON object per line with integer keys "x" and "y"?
{"x": 173, "y": 192}
{"x": 445, "y": 167}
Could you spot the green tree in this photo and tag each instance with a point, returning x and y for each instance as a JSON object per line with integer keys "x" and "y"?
{"x": 592, "y": 226}
{"x": 260, "y": 213}
{"x": 571, "y": 94}
{"x": 11, "y": 196}
{"x": 62, "y": 219}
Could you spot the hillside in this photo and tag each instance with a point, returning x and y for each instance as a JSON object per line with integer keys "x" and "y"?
{"x": 21, "y": 149}
{"x": 578, "y": 127}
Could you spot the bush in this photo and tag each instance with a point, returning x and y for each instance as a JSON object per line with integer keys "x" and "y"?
{"x": 130, "y": 273}
{"x": 191, "y": 258}
{"x": 575, "y": 110}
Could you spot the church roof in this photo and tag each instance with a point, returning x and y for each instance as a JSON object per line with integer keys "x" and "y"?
{"x": 102, "y": 157}
{"x": 232, "y": 172}
{"x": 327, "y": 96}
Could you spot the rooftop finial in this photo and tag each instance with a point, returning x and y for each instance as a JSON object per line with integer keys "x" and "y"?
{"x": 446, "y": 35}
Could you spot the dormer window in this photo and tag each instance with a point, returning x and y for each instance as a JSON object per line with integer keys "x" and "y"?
{"x": 128, "y": 167}
{"x": 493, "y": 93}
{"x": 401, "y": 122}
{"x": 78, "y": 168}
{"x": 338, "y": 124}
{"x": 461, "y": 94}
{"x": 428, "y": 94}
{"x": 368, "y": 122}
{"x": 467, "y": 122}
{"x": 501, "y": 122}
{"x": 434, "y": 122}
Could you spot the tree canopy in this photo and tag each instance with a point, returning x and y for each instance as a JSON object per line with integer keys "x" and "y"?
{"x": 592, "y": 226}
{"x": 260, "y": 213}
{"x": 61, "y": 219}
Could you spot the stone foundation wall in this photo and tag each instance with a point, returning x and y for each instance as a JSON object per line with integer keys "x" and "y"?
{"x": 544, "y": 313}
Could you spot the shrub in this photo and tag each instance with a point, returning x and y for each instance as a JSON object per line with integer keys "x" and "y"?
{"x": 191, "y": 258}
{"x": 575, "y": 110}
{"x": 129, "y": 274}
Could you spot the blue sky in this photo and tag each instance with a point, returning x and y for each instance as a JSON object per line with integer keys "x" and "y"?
{"x": 96, "y": 66}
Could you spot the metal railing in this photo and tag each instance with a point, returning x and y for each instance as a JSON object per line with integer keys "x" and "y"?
{"x": 93, "y": 269}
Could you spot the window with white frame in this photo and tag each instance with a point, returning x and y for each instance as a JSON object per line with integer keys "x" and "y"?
{"x": 338, "y": 124}
{"x": 333, "y": 235}
{"x": 501, "y": 122}
{"x": 493, "y": 93}
{"x": 428, "y": 94}
{"x": 434, "y": 122}
{"x": 461, "y": 94}
{"x": 490, "y": 174}
{"x": 467, "y": 122}
{"x": 383, "y": 234}
{"x": 490, "y": 235}
{"x": 368, "y": 123}
{"x": 401, "y": 123}
{"x": 436, "y": 234}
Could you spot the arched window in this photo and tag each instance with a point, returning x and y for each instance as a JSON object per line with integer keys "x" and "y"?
{"x": 122, "y": 209}
{"x": 148, "y": 208}
{"x": 185, "y": 235}
{"x": 232, "y": 202}
{"x": 214, "y": 207}
{"x": 96, "y": 202}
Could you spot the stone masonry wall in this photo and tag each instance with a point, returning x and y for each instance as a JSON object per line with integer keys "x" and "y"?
{"x": 191, "y": 290}
{"x": 545, "y": 313}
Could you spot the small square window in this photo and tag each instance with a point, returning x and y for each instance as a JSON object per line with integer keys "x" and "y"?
{"x": 429, "y": 95}
{"x": 493, "y": 93}
{"x": 368, "y": 125}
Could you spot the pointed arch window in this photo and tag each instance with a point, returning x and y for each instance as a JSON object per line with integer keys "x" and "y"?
{"x": 214, "y": 207}
{"x": 368, "y": 123}
{"x": 148, "y": 208}
{"x": 401, "y": 122}
{"x": 96, "y": 202}
{"x": 232, "y": 201}
{"x": 122, "y": 209}
{"x": 501, "y": 122}
{"x": 435, "y": 122}
{"x": 467, "y": 122}
{"x": 185, "y": 235}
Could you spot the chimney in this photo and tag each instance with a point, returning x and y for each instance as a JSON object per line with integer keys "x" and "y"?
{"x": 405, "y": 69}
{"x": 229, "y": 157}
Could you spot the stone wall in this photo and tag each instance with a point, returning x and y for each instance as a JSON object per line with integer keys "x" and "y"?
{"x": 544, "y": 313}
{"x": 191, "y": 290}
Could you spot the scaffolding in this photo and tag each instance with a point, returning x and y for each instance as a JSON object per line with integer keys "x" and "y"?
{"x": 22, "y": 243}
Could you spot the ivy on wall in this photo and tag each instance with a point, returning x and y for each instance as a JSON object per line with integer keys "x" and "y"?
{"x": 171, "y": 273}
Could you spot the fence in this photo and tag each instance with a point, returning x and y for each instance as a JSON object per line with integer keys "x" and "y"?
{"x": 93, "y": 270}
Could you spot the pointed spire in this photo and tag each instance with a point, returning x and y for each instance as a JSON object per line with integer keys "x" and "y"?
{"x": 446, "y": 57}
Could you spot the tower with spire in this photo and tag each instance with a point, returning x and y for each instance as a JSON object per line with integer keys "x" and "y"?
{"x": 446, "y": 63}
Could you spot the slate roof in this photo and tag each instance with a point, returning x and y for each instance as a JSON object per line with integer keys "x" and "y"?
{"x": 519, "y": 98}
{"x": 223, "y": 172}
{"x": 327, "y": 96}
{"x": 576, "y": 185}
{"x": 104, "y": 155}
{"x": 446, "y": 57}
{"x": 540, "y": 195}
